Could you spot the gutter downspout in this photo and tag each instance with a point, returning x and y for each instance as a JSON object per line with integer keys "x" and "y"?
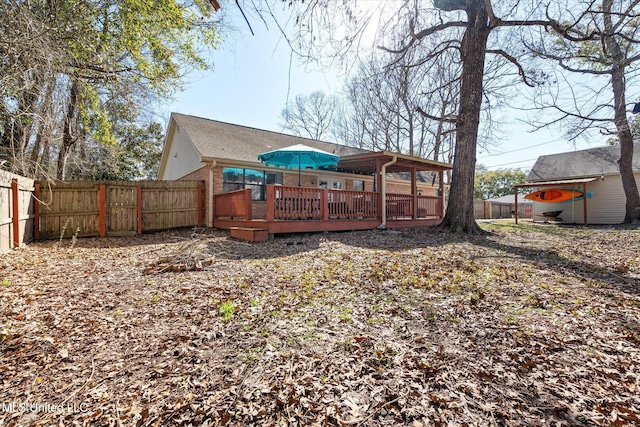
{"x": 210, "y": 197}
{"x": 383, "y": 185}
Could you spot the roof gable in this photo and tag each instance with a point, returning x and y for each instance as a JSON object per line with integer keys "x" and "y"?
{"x": 583, "y": 163}
{"x": 219, "y": 140}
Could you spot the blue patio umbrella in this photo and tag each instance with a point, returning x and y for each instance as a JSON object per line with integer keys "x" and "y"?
{"x": 299, "y": 156}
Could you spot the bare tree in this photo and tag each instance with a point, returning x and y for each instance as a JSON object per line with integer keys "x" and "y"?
{"x": 463, "y": 27}
{"x": 475, "y": 21}
{"x": 386, "y": 97}
{"x": 30, "y": 55}
{"x": 310, "y": 116}
{"x": 599, "y": 39}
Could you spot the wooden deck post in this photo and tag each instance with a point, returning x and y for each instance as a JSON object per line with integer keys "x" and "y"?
{"x": 15, "y": 212}
{"x": 139, "y": 208}
{"x": 584, "y": 204}
{"x": 324, "y": 204}
{"x": 271, "y": 202}
{"x": 414, "y": 193}
{"x": 102, "y": 210}
{"x": 441, "y": 188}
{"x": 247, "y": 204}
{"x": 36, "y": 213}
{"x": 200, "y": 204}
{"x": 381, "y": 181}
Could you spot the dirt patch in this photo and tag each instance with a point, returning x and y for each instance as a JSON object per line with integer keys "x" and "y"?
{"x": 528, "y": 325}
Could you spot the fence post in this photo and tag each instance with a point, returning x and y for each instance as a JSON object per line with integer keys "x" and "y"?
{"x": 15, "y": 212}
{"x": 200, "y": 204}
{"x": 139, "y": 208}
{"x": 36, "y": 213}
{"x": 102, "y": 210}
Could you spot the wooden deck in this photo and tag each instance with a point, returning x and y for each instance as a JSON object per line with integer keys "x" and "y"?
{"x": 304, "y": 210}
{"x": 298, "y": 226}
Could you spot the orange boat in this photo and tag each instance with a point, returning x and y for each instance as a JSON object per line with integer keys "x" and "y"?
{"x": 554, "y": 195}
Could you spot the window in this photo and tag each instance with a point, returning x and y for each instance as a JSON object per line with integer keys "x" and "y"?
{"x": 358, "y": 185}
{"x": 238, "y": 179}
{"x": 331, "y": 183}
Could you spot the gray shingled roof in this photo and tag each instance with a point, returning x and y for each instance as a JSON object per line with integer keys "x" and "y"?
{"x": 581, "y": 164}
{"x": 221, "y": 140}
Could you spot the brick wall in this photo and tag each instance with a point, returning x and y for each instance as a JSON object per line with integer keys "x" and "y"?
{"x": 290, "y": 179}
{"x": 405, "y": 188}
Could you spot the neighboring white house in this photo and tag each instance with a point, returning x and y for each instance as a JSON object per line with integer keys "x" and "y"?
{"x": 597, "y": 169}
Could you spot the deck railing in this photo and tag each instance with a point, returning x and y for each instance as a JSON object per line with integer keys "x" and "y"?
{"x": 399, "y": 206}
{"x": 294, "y": 203}
{"x": 233, "y": 205}
{"x": 429, "y": 206}
{"x": 343, "y": 204}
{"x": 319, "y": 204}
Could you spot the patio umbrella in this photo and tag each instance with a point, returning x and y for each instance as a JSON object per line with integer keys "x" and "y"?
{"x": 299, "y": 156}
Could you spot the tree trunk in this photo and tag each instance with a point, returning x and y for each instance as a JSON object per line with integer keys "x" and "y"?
{"x": 632, "y": 209}
{"x": 68, "y": 138}
{"x": 459, "y": 216}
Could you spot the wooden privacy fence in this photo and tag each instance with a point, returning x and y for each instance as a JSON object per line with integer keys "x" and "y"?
{"x": 116, "y": 208}
{"x": 17, "y": 208}
{"x": 483, "y": 209}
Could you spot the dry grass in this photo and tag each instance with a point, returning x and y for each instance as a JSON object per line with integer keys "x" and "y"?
{"x": 528, "y": 325}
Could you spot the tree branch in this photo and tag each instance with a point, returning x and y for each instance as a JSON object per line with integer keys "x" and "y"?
{"x": 422, "y": 34}
{"x": 515, "y": 62}
{"x": 438, "y": 119}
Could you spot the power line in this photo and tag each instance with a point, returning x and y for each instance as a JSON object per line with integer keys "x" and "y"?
{"x": 512, "y": 163}
{"x": 519, "y": 149}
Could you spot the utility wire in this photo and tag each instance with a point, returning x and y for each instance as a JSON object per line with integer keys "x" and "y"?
{"x": 512, "y": 163}
{"x": 518, "y": 149}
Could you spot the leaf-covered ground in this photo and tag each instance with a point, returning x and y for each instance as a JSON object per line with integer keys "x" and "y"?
{"x": 526, "y": 325}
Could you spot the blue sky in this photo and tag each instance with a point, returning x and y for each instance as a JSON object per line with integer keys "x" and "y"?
{"x": 251, "y": 81}
{"x": 251, "y": 84}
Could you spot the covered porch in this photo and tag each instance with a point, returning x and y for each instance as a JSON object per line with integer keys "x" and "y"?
{"x": 292, "y": 209}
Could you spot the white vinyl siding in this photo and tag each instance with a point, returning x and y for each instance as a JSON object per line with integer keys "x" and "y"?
{"x": 183, "y": 158}
{"x": 606, "y": 205}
